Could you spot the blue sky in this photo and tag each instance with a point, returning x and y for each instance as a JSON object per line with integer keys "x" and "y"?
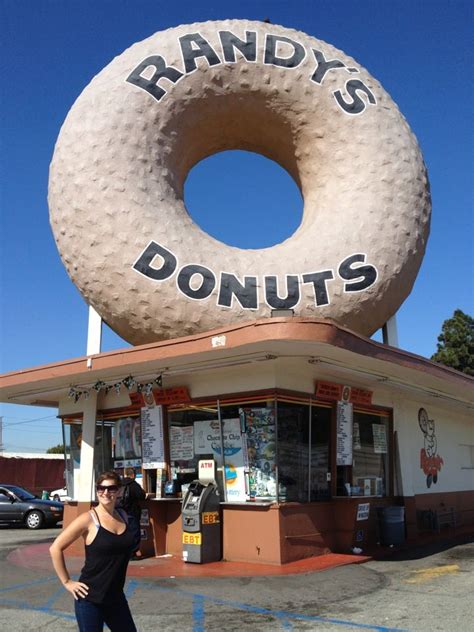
{"x": 420, "y": 51}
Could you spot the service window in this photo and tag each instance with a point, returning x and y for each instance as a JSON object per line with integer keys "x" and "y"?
{"x": 239, "y": 436}
{"x": 193, "y": 433}
{"x": 304, "y": 433}
{"x": 369, "y": 473}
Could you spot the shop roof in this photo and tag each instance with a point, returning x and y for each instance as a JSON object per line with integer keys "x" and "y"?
{"x": 320, "y": 342}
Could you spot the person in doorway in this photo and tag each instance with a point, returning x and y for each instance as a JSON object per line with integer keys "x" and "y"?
{"x": 132, "y": 494}
{"x": 98, "y": 594}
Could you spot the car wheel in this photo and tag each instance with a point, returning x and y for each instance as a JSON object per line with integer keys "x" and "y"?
{"x": 34, "y": 519}
{"x": 56, "y": 497}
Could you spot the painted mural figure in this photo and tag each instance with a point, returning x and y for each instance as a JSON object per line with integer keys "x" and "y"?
{"x": 430, "y": 461}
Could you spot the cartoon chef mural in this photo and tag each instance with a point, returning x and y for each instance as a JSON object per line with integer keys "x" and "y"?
{"x": 430, "y": 461}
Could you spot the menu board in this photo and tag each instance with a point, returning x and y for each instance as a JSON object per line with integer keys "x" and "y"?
{"x": 380, "y": 438}
{"x": 344, "y": 433}
{"x": 153, "y": 449}
{"x": 181, "y": 443}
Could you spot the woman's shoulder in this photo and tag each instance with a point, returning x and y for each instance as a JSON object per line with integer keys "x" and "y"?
{"x": 83, "y": 520}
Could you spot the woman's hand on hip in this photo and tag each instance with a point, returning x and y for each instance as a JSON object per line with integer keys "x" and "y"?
{"x": 77, "y": 589}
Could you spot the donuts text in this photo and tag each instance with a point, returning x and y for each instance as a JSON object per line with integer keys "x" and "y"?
{"x": 154, "y": 75}
{"x": 198, "y": 282}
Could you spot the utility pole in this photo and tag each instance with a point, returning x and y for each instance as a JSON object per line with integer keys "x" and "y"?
{"x": 1, "y": 433}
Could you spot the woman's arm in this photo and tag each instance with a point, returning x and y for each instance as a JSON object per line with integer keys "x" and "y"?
{"x": 77, "y": 528}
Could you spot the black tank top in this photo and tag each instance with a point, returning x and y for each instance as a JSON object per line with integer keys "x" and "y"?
{"x": 105, "y": 567}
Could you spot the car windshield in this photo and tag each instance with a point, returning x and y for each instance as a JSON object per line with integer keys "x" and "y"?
{"x": 22, "y": 494}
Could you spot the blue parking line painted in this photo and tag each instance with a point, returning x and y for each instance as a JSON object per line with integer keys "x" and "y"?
{"x": 130, "y": 588}
{"x": 28, "y": 584}
{"x": 278, "y": 614}
{"x": 198, "y": 614}
{"x": 14, "y": 603}
{"x": 54, "y": 597}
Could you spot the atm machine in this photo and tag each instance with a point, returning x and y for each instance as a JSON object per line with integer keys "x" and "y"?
{"x": 201, "y": 519}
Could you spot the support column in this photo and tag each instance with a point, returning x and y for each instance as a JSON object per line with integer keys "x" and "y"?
{"x": 94, "y": 332}
{"x": 86, "y": 474}
{"x": 390, "y": 332}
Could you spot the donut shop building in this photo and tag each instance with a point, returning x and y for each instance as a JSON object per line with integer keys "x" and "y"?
{"x": 313, "y": 429}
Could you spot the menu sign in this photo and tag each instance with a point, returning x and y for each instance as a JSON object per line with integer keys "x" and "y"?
{"x": 153, "y": 449}
{"x": 380, "y": 438}
{"x": 344, "y": 434}
{"x": 181, "y": 443}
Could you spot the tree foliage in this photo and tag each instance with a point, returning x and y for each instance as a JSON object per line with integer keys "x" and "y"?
{"x": 456, "y": 343}
{"x": 56, "y": 449}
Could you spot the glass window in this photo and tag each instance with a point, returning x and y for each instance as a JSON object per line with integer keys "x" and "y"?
{"x": 193, "y": 433}
{"x": 259, "y": 457}
{"x": 293, "y": 451}
{"x": 304, "y": 434}
{"x": 248, "y": 442}
{"x": 128, "y": 438}
{"x": 368, "y": 475}
{"x": 320, "y": 452}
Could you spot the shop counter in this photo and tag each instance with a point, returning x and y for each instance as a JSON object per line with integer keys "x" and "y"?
{"x": 160, "y": 526}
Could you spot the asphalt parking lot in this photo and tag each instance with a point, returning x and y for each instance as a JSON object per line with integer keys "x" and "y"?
{"x": 425, "y": 591}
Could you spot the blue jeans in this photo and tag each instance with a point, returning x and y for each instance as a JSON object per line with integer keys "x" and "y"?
{"x": 91, "y": 616}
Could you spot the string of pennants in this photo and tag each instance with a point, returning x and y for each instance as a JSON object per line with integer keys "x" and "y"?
{"x": 128, "y": 382}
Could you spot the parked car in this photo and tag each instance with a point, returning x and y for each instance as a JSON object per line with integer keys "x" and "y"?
{"x": 19, "y": 506}
{"x": 60, "y": 494}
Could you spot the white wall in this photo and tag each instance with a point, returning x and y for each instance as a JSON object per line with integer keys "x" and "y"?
{"x": 454, "y": 433}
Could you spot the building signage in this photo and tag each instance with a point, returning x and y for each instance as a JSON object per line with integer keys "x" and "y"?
{"x": 198, "y": 282}
{"x": 269, "y": 49}
{"x": 153, "y": 450}
{"x": 337, "y": 392}
{"x": 344, "y": 434}
{"x": 162, "y": 397}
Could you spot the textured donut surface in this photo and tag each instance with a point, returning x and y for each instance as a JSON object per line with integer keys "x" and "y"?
{"x": 126, "y": 147}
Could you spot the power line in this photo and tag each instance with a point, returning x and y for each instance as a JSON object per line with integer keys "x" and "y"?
{"x": 28, "y": 421}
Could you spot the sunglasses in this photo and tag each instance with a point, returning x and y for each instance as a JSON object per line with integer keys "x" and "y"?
{"x": 112, "y": 489}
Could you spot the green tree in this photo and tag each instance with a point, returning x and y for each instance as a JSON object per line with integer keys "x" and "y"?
{"x": 56, "y": 449}
{"x": 456, "y": 343}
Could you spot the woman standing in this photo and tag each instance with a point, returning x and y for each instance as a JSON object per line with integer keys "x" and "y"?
{"x": 98, "y": 593}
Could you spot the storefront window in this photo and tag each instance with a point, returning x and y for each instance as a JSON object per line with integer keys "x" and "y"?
{"x": 368, "y": 475}
{"x": 293, "y": 451}
{"x": 320, "y": 466}
{"x": 189, "y": 442}
{"x": 103, "y": 458}
{"x": 258, "y": 426}
{"x": 127, "y": 442}
{"x": 239, "y": 437}
{"x": 304, "y": 433}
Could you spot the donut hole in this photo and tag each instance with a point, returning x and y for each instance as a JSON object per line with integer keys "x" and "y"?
{"x": 243, "y": 199}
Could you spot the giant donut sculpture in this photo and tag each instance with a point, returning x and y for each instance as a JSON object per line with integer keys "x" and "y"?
{"x": 129, "y": 141}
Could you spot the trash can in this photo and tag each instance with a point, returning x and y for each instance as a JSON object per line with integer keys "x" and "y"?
{"x": 391, "y": 525}
{"x": 201, "y": 520}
